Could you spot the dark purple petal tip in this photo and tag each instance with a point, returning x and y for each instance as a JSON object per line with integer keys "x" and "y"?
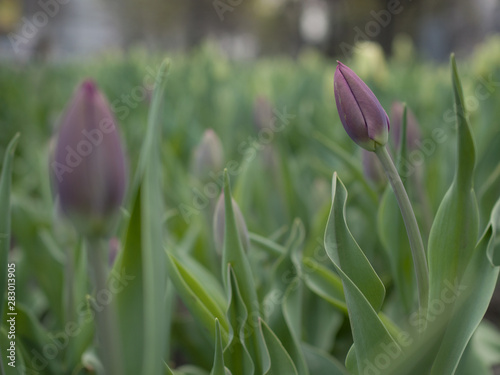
{"x": 360, "y": 112}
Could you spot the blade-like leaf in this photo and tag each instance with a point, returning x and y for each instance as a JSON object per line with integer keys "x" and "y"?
{"x": 371, "y": 336}
{"x": 281, "y": 363}
{"x": 325, "y": 283}
{"x": 477, "y": 287}
{"x": 282, "y": 277}
{"x": 234, "y": 255}
{"x": 196, "y": 296}
{"x": 129, "y": 307}
{"x": 153, "y": 256}
{"x": 321, "y": 363}
{"x": 345, "y": 253}
{"x": 218, "y": 367}
{"x": 236, "y": 355}
{"x": 140, "y": 305}
{"x": 455, "y": 229}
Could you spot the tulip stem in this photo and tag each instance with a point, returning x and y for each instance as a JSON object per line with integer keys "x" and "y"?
{"x": 416, "y": 244}
{"x": 106, "y": 330}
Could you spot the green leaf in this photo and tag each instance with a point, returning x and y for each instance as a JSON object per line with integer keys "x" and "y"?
{"x": 45, "y": 260}
{"x": 5, "y": 182}
{"x": 477, "y": 287}
{"x": 143, "y": 315}
{"x": 236, "y": 355}
{"x": 325, "y": 283}
{"x": 209, "y": 282}
{"x": 197, "y": 297}
{"x": 168, "y": 370}
{"x": 218, "y": 367}
{"x": 153, "y": 255}
{"x": 364, "y": 292}
{"x": 129, "y": 301}
{"x": 283, "y": 286}
{"x": 455, "y": 229}
{"x": 345, "y": 253}
{"x": 234, "y": 255}
{"x": 281, "y": 363}
{"x": 321, "y": 363}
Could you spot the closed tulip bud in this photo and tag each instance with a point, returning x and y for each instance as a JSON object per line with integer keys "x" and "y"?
{"x": 208, "y": 156}
{"x": 362, "y": 115}
{"x": 88, "y": 166}
{"x": 220, "y": 222}
{"x": 412, "y": 126}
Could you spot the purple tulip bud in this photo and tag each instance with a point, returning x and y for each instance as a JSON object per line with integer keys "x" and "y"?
{"x": 89, "y": 164}
{"x": 208, "y": 156}
{"x": 362, "y": 115}
{"x": 220, "y": 222}
{"x": 373, "y": 169}
{"x": 412, "y": 126}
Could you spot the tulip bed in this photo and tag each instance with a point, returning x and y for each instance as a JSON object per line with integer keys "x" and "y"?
{"x": 302, "y": 266}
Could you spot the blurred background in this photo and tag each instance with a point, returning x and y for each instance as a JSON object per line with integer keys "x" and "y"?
{"x": 243, "y": 29}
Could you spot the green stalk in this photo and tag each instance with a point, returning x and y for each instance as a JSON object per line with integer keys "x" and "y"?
{"x": 106, "y": 324}
{"x": 416, "y": 244}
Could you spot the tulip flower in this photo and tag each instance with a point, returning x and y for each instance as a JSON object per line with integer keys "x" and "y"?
{"x": 362, "y": 115}
{"x": 367, "y": 124}
{"x": 208, "y": 156}
{"x": 220, "y": 220}
{"x": 412, "y": 126}
{"x": 88, "y": 165}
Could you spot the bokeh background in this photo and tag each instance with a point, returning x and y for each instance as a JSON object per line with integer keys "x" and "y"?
{"x": 243, "y": 29}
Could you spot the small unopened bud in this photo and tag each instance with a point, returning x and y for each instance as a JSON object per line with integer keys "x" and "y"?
{"x": 220, "y": 222}
{"x": 362, "y": 115}
{"x": 88, "y": 166}
{"x": 412, "y": 126}
{"x": 208, "y": 156}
